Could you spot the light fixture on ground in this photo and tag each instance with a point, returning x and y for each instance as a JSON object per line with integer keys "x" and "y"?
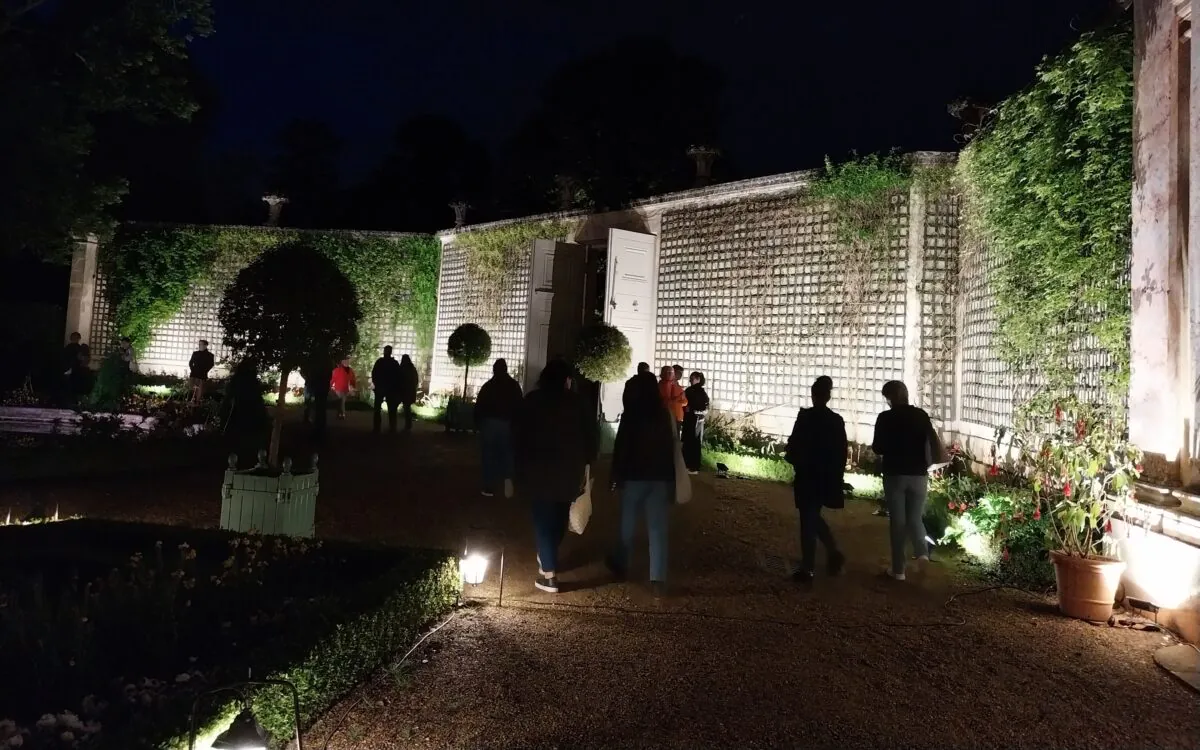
{"x": 245, "y": 733}
{"x": 473, "y": 565}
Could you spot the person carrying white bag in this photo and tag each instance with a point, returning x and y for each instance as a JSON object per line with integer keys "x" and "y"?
{"x": 554, "y": 441}
{"x": 649, "y": 473}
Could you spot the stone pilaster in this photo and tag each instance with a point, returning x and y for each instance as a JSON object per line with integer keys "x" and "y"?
{"x": 82, "y": 298}
{"x": 275, "y": 204}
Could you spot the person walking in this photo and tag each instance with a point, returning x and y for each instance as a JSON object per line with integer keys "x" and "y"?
{"x": 554, "y": 441}
{"x": 903, "y": 437}
{"x": 672, "y": 395}
{"x": 817, "y": 448}
{"x": 643, "y": 469}
{"x": 199, "y": 366}
{"x": 385, "y": 380}
{"x": 79, "y": 377}
{"x": 344, "y": 383}
{"x": 409, "y": 380}
{"x": 317, "y": 374}
{"x": 693, "y": 421}
{"x": 497, "y": 403}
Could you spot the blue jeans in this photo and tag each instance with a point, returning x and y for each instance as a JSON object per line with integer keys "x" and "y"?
{"x": 905, "y": 498}
{"x": 655, "y": 498}
{"x": 495, "y": 443}
{"x": 549, "y": 527}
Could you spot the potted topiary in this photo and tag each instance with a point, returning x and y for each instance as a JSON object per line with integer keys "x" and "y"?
{"x": 469, "y": 345}
{"x": 289, "y": 306}
{"x": 1082, "y": 468}
{"x": 603, "y": 355}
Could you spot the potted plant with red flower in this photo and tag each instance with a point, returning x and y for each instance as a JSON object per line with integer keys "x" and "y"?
{"x": 1082, "y": 468}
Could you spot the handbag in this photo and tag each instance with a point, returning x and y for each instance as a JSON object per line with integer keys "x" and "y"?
{"x": 936, "y": 455}
{"x": 683, "y": 482}
{"x": 581, "y": 509}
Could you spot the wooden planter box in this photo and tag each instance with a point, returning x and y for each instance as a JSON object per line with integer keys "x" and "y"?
{"x": 266, "y": 503}
{"x": 460, "y": 415}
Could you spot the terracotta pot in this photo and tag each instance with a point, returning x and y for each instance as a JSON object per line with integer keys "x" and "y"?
{"x": 1087, "y": 586}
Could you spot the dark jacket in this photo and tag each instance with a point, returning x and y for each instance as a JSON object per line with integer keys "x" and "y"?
{"x": 409, "y": 379}
{"x": 817, "y": 448}
{"x": 644, "y": 450}
{"x": 554, "y": 438}
{"x": 697, "y": 399}
{"x": 499, "y": 398}
{"x": 902, "y": 440}
{"x": 385, "y": 376}
{"x": 201, "y": 363}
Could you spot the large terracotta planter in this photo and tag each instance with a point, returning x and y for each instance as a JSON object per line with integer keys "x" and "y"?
{"x": 1087, "y": 587}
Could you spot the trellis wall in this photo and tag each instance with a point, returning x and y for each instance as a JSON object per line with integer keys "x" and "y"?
{"x": 171, "y": 345}
{"x": 752, "y": 293}
{"x": 462, "y": 300}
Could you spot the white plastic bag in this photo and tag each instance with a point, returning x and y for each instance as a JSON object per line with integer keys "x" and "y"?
{"x": 581, "y": 509}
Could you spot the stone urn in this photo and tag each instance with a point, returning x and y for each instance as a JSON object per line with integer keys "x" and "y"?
{"x": 270, "y": 502}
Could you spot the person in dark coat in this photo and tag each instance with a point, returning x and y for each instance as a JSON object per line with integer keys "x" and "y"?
{"x": 643, "y": 469}
{"x": 199, "y": 366}
{"x": 693, "y": 421}
{"x": 409, "y": 380}
{"x": 242, "y": 411}
{"x": 817, "y": 448}
{"x": 317, "y": 373}
{"x": 554, "y": 440}
{"x": 495, "y": 407}
{"x": 386, "y": 380}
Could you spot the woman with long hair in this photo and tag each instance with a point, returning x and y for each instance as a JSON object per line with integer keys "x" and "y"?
{"x": 643, "y": 469}
{"x": 693, "y": 421}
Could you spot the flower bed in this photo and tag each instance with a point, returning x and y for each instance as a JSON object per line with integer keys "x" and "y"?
{"x": 125, "y": 624}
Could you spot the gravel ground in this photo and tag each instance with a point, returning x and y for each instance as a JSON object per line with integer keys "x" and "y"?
{"x": 735, "y": 657}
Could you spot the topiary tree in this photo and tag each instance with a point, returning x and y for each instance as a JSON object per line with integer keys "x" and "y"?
{"x": 602, "y": 353}
{"x": 289, "y": 305}
{"x": 469, "y": 345}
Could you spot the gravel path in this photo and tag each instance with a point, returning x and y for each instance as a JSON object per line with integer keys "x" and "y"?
{"x": 736, "y": 657}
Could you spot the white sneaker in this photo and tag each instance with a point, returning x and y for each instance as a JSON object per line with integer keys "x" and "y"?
{"x": 894, "y": 576}
{"x": 487, "y": 493}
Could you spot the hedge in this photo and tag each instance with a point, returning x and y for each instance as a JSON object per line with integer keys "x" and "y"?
{"x": 866, "y": 486}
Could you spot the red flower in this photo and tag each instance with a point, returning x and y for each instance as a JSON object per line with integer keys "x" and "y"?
{"x": 1058, "y": 413}
{"x": 1137, "y": 468}
{"x": 1067, "y": 489}
{"x": 1108, "y": 527}
{"x": 950, "y": 505}
{"x": 962, "y": 506}
{"x": 994, "y": 470}
{"x": 1037, "y": 514}
{"x": 1005, "y": 556}
{"x": 1080, "y": 429}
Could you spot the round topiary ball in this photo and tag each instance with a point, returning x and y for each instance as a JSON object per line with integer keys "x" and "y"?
{"x": 469, "y": 345}
{"x": 602, "y": 353}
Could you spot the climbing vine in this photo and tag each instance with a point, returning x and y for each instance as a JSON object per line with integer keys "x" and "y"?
{"x": 1047, "y": 182}
{"x": 494, "y": 253}
{"x": 150, "y": 270}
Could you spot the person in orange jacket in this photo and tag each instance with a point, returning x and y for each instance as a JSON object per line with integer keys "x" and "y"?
{"x": 672, "y": 395}
{"x": 343, "y": 384}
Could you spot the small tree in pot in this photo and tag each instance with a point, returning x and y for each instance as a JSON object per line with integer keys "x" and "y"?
{"x": 1082, "y": 468}
{"x": 469, "y": 345}
{"x": 602, "y": 353}
{"x": 289, "y": 305}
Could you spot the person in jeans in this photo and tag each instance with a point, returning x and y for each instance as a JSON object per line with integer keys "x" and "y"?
{"x": 554, "y": 440}
{"x": 903, "y": 436}
{"x": 643, "y": 469}
{"x": 495, "y": 406}
{"x": 817, "y": 448}
{"x": 693, "y": 421}
{"x": 385, "y": 379}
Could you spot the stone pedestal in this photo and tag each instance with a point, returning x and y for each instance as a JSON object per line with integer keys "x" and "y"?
{"x": 268, "y": 503}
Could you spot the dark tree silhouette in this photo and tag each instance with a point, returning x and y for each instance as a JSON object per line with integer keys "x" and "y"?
{"x": 615, "y": 126}
{"x": 432, "y": 164}
{"x": 305, "y": 169}
{"x": 286, "y": 308}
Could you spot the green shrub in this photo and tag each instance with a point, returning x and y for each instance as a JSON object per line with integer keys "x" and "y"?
{"x": 865, "y": 486}
{"x": 112, "y": 385}
{"x": 1003, "y": 535}
{"x": 602, "y": 353}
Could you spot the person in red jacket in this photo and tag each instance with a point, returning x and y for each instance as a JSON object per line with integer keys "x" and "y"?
{"x": 672, "y": 395}
{"x": 343, "y": 384}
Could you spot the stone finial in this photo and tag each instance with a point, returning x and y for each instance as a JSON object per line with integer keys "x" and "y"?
{"x": 704, "y": 156}
{"x": 232, "y": 461}
{"x": 460, "y": 213}
{"x": 566, "y": 191}
{"x": 287, "y": 466}
{"x": 262, "y": 458}
{"x": 275, "y": 204}
{"x": 315, "y": 460}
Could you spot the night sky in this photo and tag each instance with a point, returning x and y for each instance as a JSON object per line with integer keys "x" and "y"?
{"x": 802, "y": 81}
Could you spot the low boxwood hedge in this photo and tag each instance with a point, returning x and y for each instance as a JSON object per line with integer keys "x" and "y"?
{"x": 866, "y": 486}
{"x": 110, "y": 630}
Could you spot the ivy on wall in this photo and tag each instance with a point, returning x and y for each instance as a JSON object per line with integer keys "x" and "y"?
{"x": 494, "y": 253}
{"x": 1048, "y": 186}
{"x": 149, "y": 272}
